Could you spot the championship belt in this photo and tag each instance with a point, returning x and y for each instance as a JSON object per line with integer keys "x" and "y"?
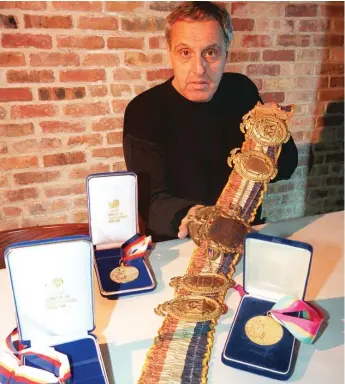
{"x": 182, "y": 349}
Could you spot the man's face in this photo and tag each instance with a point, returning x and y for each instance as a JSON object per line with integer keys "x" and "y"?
{"x": 198, "y": 56}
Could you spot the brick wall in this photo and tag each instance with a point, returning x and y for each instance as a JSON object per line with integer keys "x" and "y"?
{"x": 69, "y": 69}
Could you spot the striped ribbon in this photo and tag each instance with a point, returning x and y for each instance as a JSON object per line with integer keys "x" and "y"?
{"x": 135, "y": 247}
{"x": 182, "y": 350}
{"x": 52, "y": 366}
{"x": 304, "y": 328}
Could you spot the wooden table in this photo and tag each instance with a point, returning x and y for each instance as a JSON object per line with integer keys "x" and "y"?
{"x": 126, "y": 327}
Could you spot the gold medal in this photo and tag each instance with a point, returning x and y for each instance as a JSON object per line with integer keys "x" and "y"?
{"x": 124, "y": 274}
{"x": 263, "y": 330}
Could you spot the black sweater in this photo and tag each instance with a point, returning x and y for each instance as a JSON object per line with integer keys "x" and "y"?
{"x": 179, "y": 149}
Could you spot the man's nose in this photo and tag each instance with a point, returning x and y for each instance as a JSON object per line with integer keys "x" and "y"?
{"x": 199, "y": 65}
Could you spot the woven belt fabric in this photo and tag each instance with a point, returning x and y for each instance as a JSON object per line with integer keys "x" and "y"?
{"x": 182, "y": 349}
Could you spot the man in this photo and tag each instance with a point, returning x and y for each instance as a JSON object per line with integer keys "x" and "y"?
{"x": 178, "y": 135}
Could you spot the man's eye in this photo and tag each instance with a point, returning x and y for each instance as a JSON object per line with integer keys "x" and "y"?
{"x": 211, "y": 54}
{"x": 185, "y": 53}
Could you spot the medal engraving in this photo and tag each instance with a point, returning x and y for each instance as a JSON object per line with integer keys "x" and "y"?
{"x": 204, "y": 283}
{"x": 124, "y": 274}
{"x": 263, "y": 330}
{"x": 253, "y": 165}
{"x": 191, "y": 308}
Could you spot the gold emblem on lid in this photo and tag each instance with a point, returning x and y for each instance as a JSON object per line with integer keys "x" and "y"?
{"x": 191, "y": 308}
{"x": 203, "y": 283}
{"x": 263, "y": 330}
{"x": 124, "y": 274}
{"x": 253, "y": 165}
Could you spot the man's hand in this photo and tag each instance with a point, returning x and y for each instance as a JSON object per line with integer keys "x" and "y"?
{"x": 183, "y": 230}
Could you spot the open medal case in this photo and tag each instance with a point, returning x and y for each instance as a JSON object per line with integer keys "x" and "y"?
{"x": 113, "y": 219}
{"x": 52, "y": 285}
{"x": 273, "y": 267}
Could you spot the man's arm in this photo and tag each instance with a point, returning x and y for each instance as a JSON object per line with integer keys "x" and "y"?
{"x": 142, "y": 144}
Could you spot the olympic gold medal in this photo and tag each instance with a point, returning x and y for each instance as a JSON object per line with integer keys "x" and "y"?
{"x": 124, "y": 274}
{"x": 263, "y": 330}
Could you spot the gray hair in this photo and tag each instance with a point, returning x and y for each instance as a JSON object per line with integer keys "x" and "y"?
{"x": 200, "y": 11}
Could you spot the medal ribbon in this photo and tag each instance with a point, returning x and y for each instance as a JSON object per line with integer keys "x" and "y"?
{"x": 135, "y": 247}
{"x": 304, "y": 328}
{"x": 53, "y": 366}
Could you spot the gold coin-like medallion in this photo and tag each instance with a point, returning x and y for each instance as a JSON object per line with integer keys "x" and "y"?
{"x": 204, "y": 283}
{"x": 124, "y": 274}
{"x": 263, "y": 330}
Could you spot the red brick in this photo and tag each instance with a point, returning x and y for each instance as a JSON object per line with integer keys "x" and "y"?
{"x": 263, "y": 69}
{"x": 118, "y": 90}
{"x": 25, "y": 5}
{"x": 18, "y": 162}
{"x": 101, "y": 60}
{"x": 27, "y": 111}
{"x": 337, "y": 81}
{"x": 250, "y": 41}
{"x": 35, "y": 177}
{"x": 163, "y": 5}
{"x": 15, "y": 130}
{"x": 54, "y": 59}
{"x": 18, "y": 40}
{"x": 161, "y": 74}
{"x": 31, "y": 145}
{"x": 239, "y": 9}
{"x": 282, "y": 55}
{"x": 331, "y": 95}
{"x": 12, "y": 59}
{"x": 61, "y": 126}
{"x": 99, "y": 23}
{"x": 64, "y": 159}
{"x": 45, "y": 220}
{"x": 84, "y": 42}
{"x": 8, "y": 22}
{"x": 90, "y": 6}
{"x": 119, "y": 6}
{"x": 336, "y": 54}
{"x": 301, "y": 10}
{"x": 332, "y": 69}
{"x": 329, "y": 40}
{"x": 310, "y": 82}
{"x": 21, "y": 194}
{"x": 108, "y": 152}
{"x": 337, "y": 26}
{"x": 114, "y": 137}
{"x": 98, "y": 90}
{"x": 62, "y": 190}
{"x": 3, "y": 147}
{"x": 91, "y": 109}
{"x": 258, "y": 83}
{"x": 90, "y": 140}
{"x": 3, "y": 181}
{"x": 82, "y": 202}
{"x": 241, "y": 56}
{"x": 84, "y": 172}
{"x": 80, "y": 217}
{"x": 313, "y": 25}
{"x": 12, "y": 211}
{"x": 107, "y": 124}
{"x": 119, "y": 106}
{"x": 36, "y": 209}
{"x": 305, "y": 123}
{"x": 3, "y": 113}
{"x": 35, "y": 21}
{"x": 126, "y": 74}
{"x": 60, "y": 205}
{"x": 296, "y": 96}
{"x": 333, "y": 9}
{"x": 119, "y": 166}
{"x": 312, "y": 54}
{"x": 142, "y": 60}
{"x": 147, "y": 24}
{"x": 15, "y": 94}
{"x": 157, "y": 42}
{"x": 268, "y": 8}
{"x": 293, "y": 40}
{"x": 243, "y": 24}
{"x": 125, "y": 43}
{"x": 138, "y": 89}
{"x": 84, "y": 75}
{"x": 32, "y": 76}
{"x": 61, "y": 93}
{"x": 273, "y": 97}
{"x": 279, "y": 84}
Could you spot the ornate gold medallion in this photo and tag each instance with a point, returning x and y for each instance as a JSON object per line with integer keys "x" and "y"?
{"x": 204, "y": 283}
{"x": 263, "y": 330}
{"x": 253, "y": 165}
{"x": 124, "y": 274}
{"x": 191, "y": 308}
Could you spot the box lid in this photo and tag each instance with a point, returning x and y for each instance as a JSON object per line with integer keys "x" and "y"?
{"x": 112, "y": 206}
{"x": 52, "y": 285}
{"x": 275, "y": 267}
